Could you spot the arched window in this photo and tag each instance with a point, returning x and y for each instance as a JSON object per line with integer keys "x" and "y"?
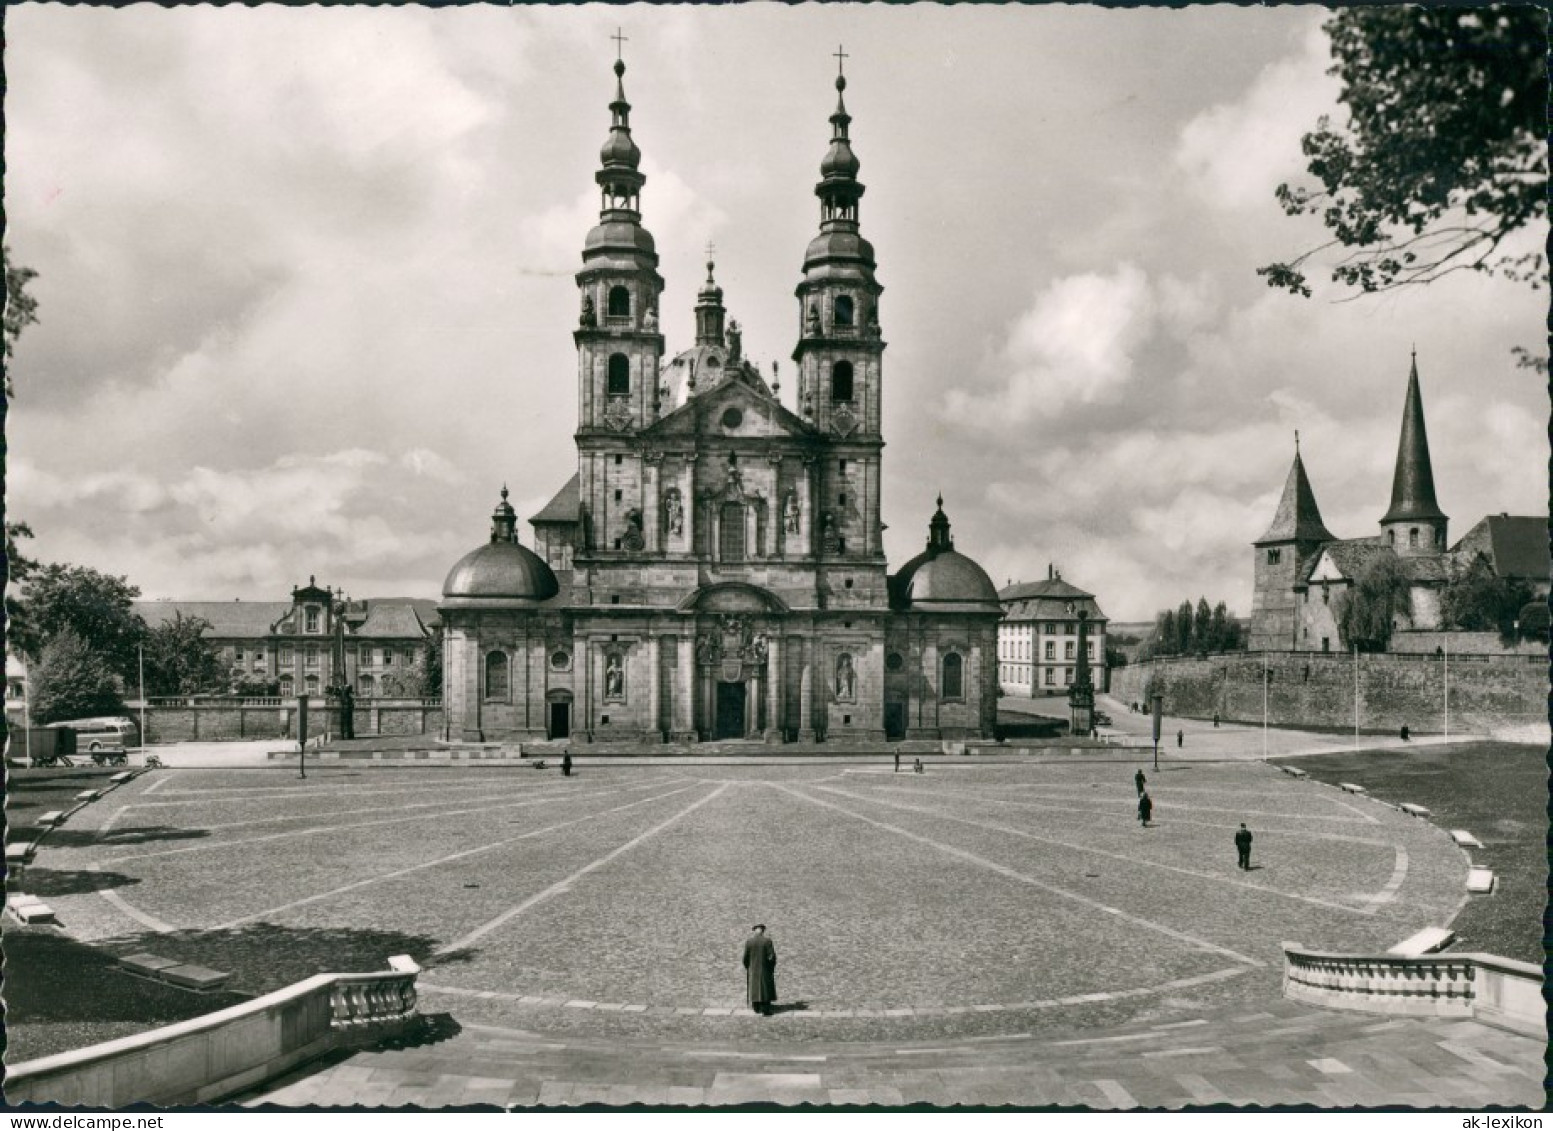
{"x": 368, "y": 686}
{"x": 1391, "y": 537}
{"x": 954, "y": 676}
{"x": 1412, "y": 537}
{"x": 619, "y": 302}
{"x": 843, "y": 310}
{"x": 730, "y": 535}
{"x": 311, "y": 683}
{"x": 496, "y": 682}
{"x": 619, "y": 375}
{"x": 841, "y": 381}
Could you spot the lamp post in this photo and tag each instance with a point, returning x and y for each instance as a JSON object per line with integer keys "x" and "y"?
{"x": 1159, "y": 705}
{"x": 1267, "y": 679}
{"x": 142, "y": 651}
{"x": 1447, "y": 655}
{"x": 1356, "y": 695}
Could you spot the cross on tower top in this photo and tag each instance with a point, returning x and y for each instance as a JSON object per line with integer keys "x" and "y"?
{"x": 841, "y": 60}
{"x": 619, "y": 41}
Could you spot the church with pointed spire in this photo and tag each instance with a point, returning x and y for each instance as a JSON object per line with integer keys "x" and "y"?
{"x": 1303, "y": 572}
{"x": 715, "y": 568}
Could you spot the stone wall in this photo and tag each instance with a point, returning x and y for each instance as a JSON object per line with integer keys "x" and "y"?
{"x": 207, "y": 720}
{"x": 1316, "y": 689}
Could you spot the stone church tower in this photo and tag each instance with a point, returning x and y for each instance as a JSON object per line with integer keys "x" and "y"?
{"x": 727, "y": 575}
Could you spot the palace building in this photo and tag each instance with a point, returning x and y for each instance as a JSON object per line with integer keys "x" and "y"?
{"x": 715, "y": 568}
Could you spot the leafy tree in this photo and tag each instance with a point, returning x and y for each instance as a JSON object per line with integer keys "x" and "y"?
{"x": 1479, "y": 600}
{"x": 181, "y": 659}
{"x": 21, "y": 309}
{"x": 21, "y": 636}
{"x": 1184, "y": 628}
{"x": 1443, "y": 156}
{"x": 72, "y": 680}
{"x": 94, "y": 606}
{"x": 1533, "y": 621}
{"x": 1367, "y": 612}
{"x": 253, "y": 684}
{"x": 1163, "y": 641}
{"x": 1202, "y": 627}
{"x": 432, "y": 688}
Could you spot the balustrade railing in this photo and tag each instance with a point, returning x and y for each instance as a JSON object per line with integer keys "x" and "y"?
{"x": 362, "y": 1000}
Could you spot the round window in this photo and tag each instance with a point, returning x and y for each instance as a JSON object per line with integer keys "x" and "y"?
{"x": 732, "y": 418}
{"x": 560, "y": 660}
{"x": 893, "y": 662}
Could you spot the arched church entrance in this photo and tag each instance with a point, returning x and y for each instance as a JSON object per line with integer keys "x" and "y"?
{"x": 558, "y": 715}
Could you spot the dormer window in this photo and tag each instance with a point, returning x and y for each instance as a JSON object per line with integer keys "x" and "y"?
{"x": 310, "y": 618}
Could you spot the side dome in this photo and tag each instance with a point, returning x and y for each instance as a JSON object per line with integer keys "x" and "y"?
{"x": 943, "y": 579}
{"x": 501, "y": 571}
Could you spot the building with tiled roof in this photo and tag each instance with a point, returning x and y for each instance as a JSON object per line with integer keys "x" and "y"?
{"x": 306, "y": 643}
{"x": 1038, "y": 636}
{"x": 1303, "y": 573}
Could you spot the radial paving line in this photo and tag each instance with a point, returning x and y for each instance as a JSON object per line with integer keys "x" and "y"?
{"x": 1354, "y": 809}
{"x": 1113, "y": 855}
{"x": 1045, "y": 808}
{"x": 563, "y": 885}
{"x": 321, "y": 830}
{"x": 156, "y": 785}
{"x": 448, "y": 859}
{"x": 991, "y": 865}
{"x": 1388, "y": 893}
{"x": 139, "y": 916}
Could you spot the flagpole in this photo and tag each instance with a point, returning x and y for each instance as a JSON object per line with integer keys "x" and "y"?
{"x": 1447, "y": 689}
{"x": 1356, "y": 695}
{"x": 141, "y": 649}
{"x": 1264, "y": 704}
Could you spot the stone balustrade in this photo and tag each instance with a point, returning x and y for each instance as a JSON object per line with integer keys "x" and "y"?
{"x": 1497, "y": 991}
{"x": 233, "y": 1050}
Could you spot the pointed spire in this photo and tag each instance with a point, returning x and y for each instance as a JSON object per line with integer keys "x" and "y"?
{"x": 1412, "y": 484}
{"x": 710, "y": 311}
{"x": 1297, "y": 518}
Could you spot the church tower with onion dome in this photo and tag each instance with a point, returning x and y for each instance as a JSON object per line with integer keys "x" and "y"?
{"x": 715, "y": 571}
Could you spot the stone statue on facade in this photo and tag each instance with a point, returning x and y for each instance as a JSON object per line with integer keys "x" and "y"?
{"x": 650, "y": 319}
{"x": 674, "y": 510}
{"x": 632, "y": 539}
{"x": 846, "y": 678}
{"x": 614, "y": 678}
{"x": 790, "y": 512}
{"x": 735, "y": 338}
{"x": 589, "y": 315}
{"x": 814, "y": 320}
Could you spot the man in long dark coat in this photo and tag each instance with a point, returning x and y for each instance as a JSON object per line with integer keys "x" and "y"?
{"x": 1138, "y": 779}
{"x": 1145, "y": 809}
{"x": 1243, "y": 847}
{"x": 760, "y": 968}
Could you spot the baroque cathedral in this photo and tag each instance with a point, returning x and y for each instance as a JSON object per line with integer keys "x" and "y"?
{"x": 715, "y": 569}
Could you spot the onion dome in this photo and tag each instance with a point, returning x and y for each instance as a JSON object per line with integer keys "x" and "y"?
{"x": 840, "y": 161}
{"x": 501, "y": 573}
{"x": 943, "y": 579}
{"x": 619, "y": 240}
{"x": 839, "y": 252}
{"x": 619, "y": 151}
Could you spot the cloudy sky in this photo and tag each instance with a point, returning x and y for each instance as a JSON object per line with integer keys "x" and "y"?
{"x": 306, "y": 296}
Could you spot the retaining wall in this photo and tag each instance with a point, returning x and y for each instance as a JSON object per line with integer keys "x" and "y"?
{"x": 1317, "y": 689}
{"x": 209, "y": 720}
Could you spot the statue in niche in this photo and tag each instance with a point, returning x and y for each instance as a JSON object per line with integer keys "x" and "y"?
{"x": 814, "y": 320}
{"x": 759, "y": 648}
{"x": 614, "y": 677}
{"x": 632, "y": 540}
{"x": 846, "y": 678}
{"x": 650, "y": 319}
{"x": 828, "y": 536}
{"x": 735, "y": 338}
{"x": 674, "y": 511}
{"x": 871, "y": 318}
{"x": 589, "y": 315}
{"x": 735, "y": 482}
{"x": 790, "y": 512}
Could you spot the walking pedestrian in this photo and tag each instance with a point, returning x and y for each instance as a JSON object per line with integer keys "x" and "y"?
{"x": 1180, "y": 736}
{"x": 897, "y": 761}
{"x": 1243, "y": 847}
{"x": 1404, "y": 732}
{"x": 760, "y": 969}
{"x": 566, "y": 764}
{"x": 1215, "y": 720}
{"x": 1138, "y": 779}
{"x": 916, "y": 767}
{"x": 1145, "y": 809}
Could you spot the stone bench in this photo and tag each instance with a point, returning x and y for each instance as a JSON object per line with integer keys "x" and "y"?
{"x": 1413, "y": 810}
{"x": 19, "y": 852}
{"x": 29, "y": 909}
{"x": 1427, "y": 941}
{"x": 170, "y": 971}
{"x": 1293, "y": 772}
{"x": 1465, "y": 839}
{"x": 1480, "y": 880}
{"x": 120, "y": 778}
{"x": 1350, "y": 787}
{"x": 88, "y": 795}
{"x": 51, "y": 818}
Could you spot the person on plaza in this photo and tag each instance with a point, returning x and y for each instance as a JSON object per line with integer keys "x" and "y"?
{"x": 1404, "y": 732}
{"x": 1145, "y": 809}
{"x": 916, "y": 767}
{"x": 1243, "y": 847}
{"x": 566, "y": 764}
{"x": 1138, "y": 779}
{"x": 897, "y": 761}
{"x": 1215, "y": 720}
{"x": 1180, "y": 737}
{"x": 760, "y": 969}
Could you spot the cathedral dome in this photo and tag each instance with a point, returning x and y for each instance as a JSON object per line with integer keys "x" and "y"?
{"x": 500, "y": 571}
{"x": 942, "y": 578}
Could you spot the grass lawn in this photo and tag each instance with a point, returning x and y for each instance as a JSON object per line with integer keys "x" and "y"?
{"x": 1496, "y": 791}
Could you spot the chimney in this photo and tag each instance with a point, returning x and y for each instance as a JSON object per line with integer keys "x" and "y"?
{"x": 1049, "y": 571}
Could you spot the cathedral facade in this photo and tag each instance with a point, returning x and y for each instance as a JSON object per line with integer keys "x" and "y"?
{"x": 715, "y": 568}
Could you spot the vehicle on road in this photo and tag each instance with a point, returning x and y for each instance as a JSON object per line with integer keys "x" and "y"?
{"x": 105, "y": 734}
